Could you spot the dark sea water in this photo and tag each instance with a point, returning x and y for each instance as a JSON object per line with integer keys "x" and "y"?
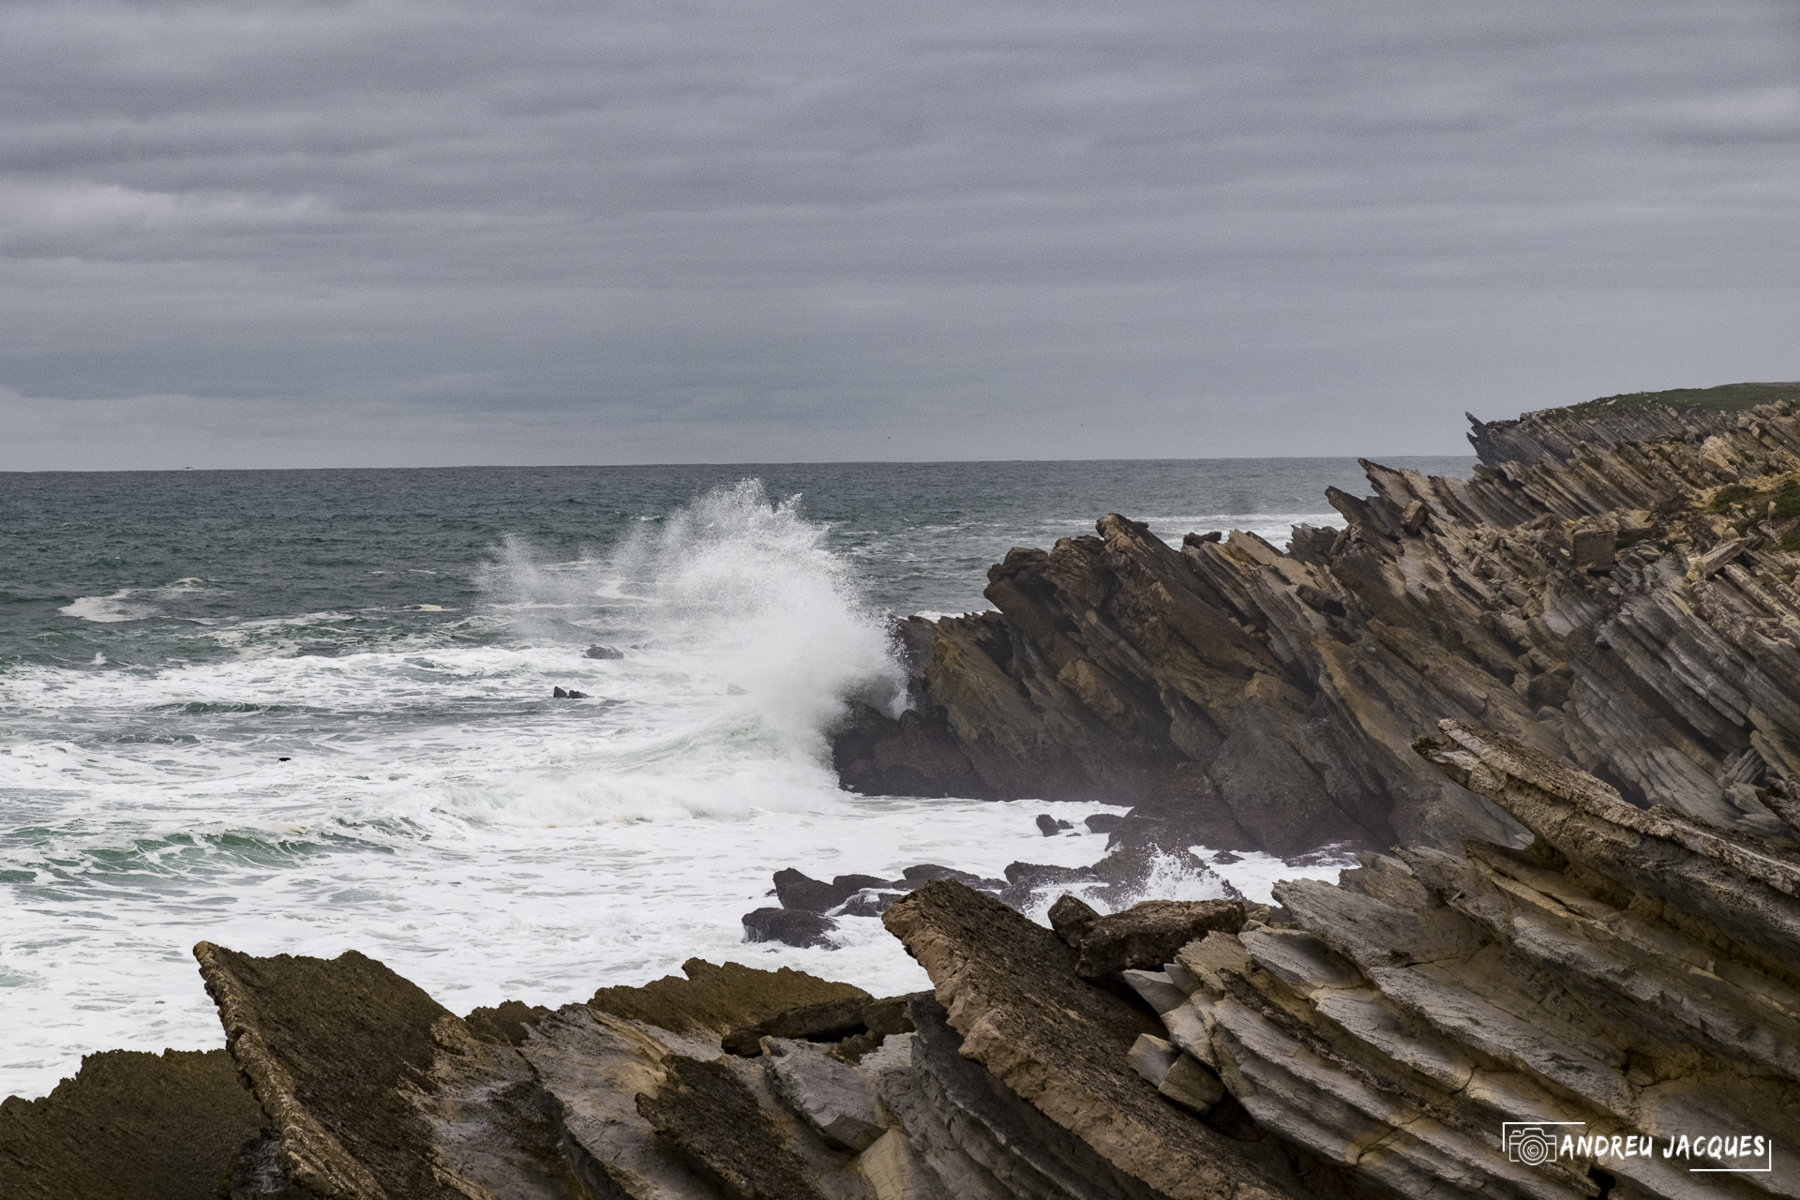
{"x": 309, "y": 710}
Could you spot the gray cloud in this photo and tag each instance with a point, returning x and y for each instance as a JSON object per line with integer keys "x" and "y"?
{"x": 408, "y": 232}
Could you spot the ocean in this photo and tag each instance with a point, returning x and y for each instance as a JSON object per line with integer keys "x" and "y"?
{"x": 308, "y": 711}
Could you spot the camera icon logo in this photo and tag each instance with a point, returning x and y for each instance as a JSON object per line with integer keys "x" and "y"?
{"x": 1535, "y": 1143}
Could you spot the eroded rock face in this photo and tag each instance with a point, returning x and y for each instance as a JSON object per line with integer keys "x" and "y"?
{"x": 373, "y": 1088}
{"x": 830, "y": 1095}
{"x": 1010, "y": 990}
{"x": 1624, "y": 601}
{"x": 1631, "y": 972}
{"x": 130, "y": 1126}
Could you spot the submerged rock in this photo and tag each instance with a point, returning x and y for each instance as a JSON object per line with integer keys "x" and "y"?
{"x": 603, "y": 652}
{"x": 789, "y": 926}
{"x": 800, "y": 891}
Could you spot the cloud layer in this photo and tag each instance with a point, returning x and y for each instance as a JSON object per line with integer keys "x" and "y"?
{"x": 396, "y": 232}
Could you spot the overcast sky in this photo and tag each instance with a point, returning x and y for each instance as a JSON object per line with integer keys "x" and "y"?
{"x": 422, "y": 232}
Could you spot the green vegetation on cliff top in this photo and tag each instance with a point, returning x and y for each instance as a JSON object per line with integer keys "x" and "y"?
{"x": 1730, "y": 397}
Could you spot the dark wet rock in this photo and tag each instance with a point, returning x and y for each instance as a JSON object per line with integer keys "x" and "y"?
{"x": 1072, "y": 917}
{"x": 718, "y": 999}
{"x": 911, "y": 755}
{"x": 800, "y": 891}
{"x": 1149, "y": 934}
{"x": 130, "y": 1126}
{"x": 1050, "y": 826}
{"x": 796, "y": 889}
{"x": 374, "y": 1088}
{"x": 603, "y": 652}
{"x": 1039, "y": 875}
{"x": 868, "y": 904}
{"x": 858, "y": 883}
{"x": 557, "y": 693}
{"x": 925, "y": 873}
{"x": 1026, "y": 880}
{"x": 256, "y": 1173}
{"x": 1103, "y": 822}
{"x": 835, "y": 1099}
{"x": 1130, "y": 874}
{"x": 789, "y": 926}
{"x": 575, "y": 695}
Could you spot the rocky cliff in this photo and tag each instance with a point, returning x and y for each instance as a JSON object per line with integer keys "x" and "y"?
{"x": 1614, "y": 585}
{"x": 1610, "y": 1010}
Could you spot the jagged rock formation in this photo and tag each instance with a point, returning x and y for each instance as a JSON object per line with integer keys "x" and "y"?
{"x": 1631, "y": 607}
{"x": 1631, "y": 973}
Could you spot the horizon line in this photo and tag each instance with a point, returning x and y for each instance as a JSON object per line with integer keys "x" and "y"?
{"x": 809, "y": 462}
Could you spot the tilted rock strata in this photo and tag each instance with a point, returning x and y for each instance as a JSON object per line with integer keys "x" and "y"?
{"x": 376, "y": 1091}
{"x": 372, "y": 1090}
{"x": 1631, "y": 971}
{"x": 1629, "y": 608}
{"x": 1058, "y": 1042}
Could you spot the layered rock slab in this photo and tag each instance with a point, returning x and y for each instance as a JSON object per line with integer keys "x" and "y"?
{"x": 1405, "y": 1017}
{"x": 375, "y": 1091}
{"x": 1060, "y": 1044}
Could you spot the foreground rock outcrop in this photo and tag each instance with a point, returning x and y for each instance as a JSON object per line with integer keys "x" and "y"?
{"x": 1609, "y": 1010}
{"x": 1630, "y": 975}
{"x": 129, "y": 1126}
{"x": 1614, "y": 586}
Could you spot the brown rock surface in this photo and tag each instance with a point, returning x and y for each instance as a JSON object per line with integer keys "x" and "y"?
{"x": 374, "y": 1089}
{"x": 719, "y": 999}
{"x": 129, "y": 1126}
